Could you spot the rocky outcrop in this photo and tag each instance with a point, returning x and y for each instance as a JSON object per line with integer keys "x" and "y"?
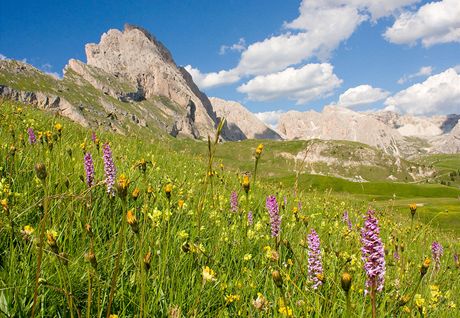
{"x": 45, "y": 102}
{"x": 338, "y": 123}
{"x": 241, "y": 123}
{"x": 400, "y": 135}
{"x": 137, "y": 58}
{"x": 418, "y": 126}
{"x": 448, "y": 143}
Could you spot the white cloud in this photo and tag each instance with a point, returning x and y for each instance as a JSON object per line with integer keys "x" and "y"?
{"x": 2, "y": 57}
{"x": 270, "y": 118}
{"x": 322, "y": 25}
{"x": 439, "y": 93}
{"x": 238, "y": 47}
{"x": 379, "y": 9}
{"x": 433, "y": 23}
{"x": 207, "y": 80}
{"x": 423, "y": 71}
{"x": 322, "y": 29}
{"x": 304, "y": 84}
{"x": 362, "y": 95}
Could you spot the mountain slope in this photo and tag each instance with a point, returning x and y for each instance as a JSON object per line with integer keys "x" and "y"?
{"x": 241, "y": 122}
{"x": 400, "y": 135}
{"x": 130, "y": 82}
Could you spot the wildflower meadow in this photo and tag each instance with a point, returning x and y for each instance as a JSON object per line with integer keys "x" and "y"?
{"x": 96, "y": 224}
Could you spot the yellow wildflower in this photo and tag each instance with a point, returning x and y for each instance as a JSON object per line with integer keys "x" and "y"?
{"x": 58, "y": 127}
{"x": 284, "y": 310}
{"x": 419, "y": 301}
{"x": 246, "y": 183}
{"x": 28, "y": 230}
{"x": 208, "y": 274}
{"x": 4, "y": 204}
{"x": 247, "y": 257}
{"x": 413, "y": 208}
{"x": 182, "y": 234}
{"x": 122, "y": 186}
{"x": 231, "y": 298}
{"x": 168, "y": 190}
{"x": 259, "y": 150}
{"x": 130, "y": 217}
{"x": 135, "y": 193}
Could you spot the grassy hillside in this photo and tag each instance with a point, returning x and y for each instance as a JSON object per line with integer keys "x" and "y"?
{"x": 448, "y": 166}
{"x": 94, "y": 104}
{"x": 345, "y": 159}
{"x": 170, "y": 244}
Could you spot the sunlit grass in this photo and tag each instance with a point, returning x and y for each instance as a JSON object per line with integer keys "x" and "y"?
{"x": 173, "y": 247}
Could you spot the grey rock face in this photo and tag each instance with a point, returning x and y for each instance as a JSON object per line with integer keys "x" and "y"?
{"x": 44, "y": 101}
{"x": 137, "y": 57}
{"x": 338, "y": 123}
{"x": 241, "y": 123}
{"x": 400, "y": 135}
{"x": 448, "y": 143}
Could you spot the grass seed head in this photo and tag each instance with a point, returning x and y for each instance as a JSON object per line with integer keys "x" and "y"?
{"x": 276, "y": 275}
{"x": 40, "y": 171}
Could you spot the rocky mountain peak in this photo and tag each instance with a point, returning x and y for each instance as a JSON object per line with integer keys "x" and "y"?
{"x": 145, "y": 65}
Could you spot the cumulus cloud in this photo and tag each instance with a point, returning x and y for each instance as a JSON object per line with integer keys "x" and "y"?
{"x": 238, "y": 47}
{"x": 2, "y": 57}
{"x": 362, "y": 95}
{"x": 433, "y": 23}
{"x": 423, "y": 71}
{"x": 438, "y": 94}
{"x": 322, "y": 29}
{"x": 321, "y": 26}
{"x": 270, "y": 118}
{"x": 304, "y": 84}
{"x": 207, "y": 80}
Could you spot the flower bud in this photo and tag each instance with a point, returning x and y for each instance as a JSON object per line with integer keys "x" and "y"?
{"x": 346, "y": 281}
{"x": 91, "y": 258}
{"x": 51, "y": 240}
{"x": 135, "y": 193}
{"x": 147, "y": 261}
{"x": 168, "y": 190}
{"x": 425, "y": 266}
{"x": 132, "y": 221}
{"x": 259, "y": 150}
{"x": 40, "y": 171}
{"x": 276, "y": 275}
{"x": 246, "y": 183}
{"x": 122, "y": 186}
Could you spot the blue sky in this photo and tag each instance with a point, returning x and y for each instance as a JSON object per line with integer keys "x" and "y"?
{"x": 270, "y": 55}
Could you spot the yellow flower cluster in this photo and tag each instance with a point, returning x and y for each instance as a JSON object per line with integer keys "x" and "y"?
{"x": 208, "y": 274}
{"x": 231, "y": 298}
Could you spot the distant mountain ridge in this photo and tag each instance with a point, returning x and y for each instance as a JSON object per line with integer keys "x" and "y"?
{"x": 402, "y": 135}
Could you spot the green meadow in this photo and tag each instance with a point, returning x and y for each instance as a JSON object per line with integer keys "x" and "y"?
{"x": 187, "y": 232}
